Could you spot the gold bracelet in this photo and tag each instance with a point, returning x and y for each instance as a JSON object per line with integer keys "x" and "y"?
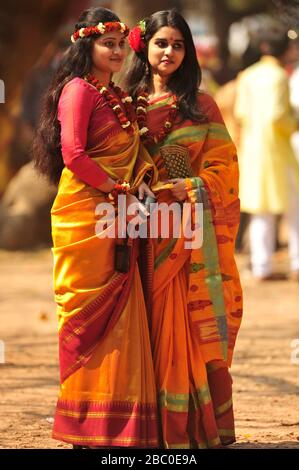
{"x": 190, "y": 190}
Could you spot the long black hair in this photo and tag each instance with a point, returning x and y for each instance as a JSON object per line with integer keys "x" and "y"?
{"x": 185, "y": 81}
{"x": 76, "y": 62}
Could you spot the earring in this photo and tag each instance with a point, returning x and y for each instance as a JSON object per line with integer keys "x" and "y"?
{"x": 147, "y": 70}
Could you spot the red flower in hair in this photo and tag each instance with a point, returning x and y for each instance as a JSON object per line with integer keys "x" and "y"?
{"x": 135, "y": 39}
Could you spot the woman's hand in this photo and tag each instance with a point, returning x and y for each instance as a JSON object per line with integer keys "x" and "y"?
{"x": 107, "y": 186}
{"x": 143, "y": 190}
{"x": 179, "y": 188}
{"x": 134, "y": 207}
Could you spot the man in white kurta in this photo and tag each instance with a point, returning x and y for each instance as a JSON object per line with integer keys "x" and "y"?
{"x": 294, "y": 98}
{"x": 269, "y": 172}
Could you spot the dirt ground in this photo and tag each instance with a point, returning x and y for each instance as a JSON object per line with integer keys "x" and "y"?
{"x": 266, "y": 380}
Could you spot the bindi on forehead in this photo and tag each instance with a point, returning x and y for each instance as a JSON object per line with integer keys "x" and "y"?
{"x": 167, "y": 32}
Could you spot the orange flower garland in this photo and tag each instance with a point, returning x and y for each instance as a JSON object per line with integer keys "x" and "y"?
{"x": 141, "y": 111}
{"x": 125, "y": 120}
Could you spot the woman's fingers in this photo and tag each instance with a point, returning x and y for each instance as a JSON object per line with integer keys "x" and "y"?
{"x": 135, "y": 207}
{"x": 149, "y": 192}
{"x": 144, "y": 189}
{"x": 179, "y": 194}
{"x": 141, "y": 191}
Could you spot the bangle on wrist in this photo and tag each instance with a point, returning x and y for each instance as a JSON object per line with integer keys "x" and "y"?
{"x": 190, "y": 190}
{"x": 120, "y": 187}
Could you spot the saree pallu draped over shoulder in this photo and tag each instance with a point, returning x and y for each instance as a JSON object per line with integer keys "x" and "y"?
{"x": 197, "y": 297}
{"x": 108, "y": 392}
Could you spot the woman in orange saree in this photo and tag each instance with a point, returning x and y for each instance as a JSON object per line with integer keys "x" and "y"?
{"x": 196, "y": 292}
{"x": 107, "y": 395}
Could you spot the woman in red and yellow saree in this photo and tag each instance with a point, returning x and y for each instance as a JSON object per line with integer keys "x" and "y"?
{"x": 107, "y": 396}
{"x": 197, "y": 297}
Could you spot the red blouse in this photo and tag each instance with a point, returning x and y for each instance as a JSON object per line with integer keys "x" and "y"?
{"x": 79, "y": 108}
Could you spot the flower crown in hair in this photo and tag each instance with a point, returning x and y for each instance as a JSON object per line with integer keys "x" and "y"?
{"x": 136, "y": 37}
{"x": 100, "y": 28}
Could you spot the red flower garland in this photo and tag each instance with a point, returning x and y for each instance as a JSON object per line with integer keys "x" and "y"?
{"x": 141, "y": 111}
{"x": 101, "y": 28}
{"x": 125, "y": 120}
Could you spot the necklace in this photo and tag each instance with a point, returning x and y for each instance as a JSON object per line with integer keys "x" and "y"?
{"x": 125, "y": 119}
{"x": 141, "y": 111}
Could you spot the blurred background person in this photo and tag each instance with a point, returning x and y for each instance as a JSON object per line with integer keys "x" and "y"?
{"x": 269, "y": 172}
{"x": 35, "y": 85}
{"x": 225, "y": 98}
{"x": 294, "y": 91}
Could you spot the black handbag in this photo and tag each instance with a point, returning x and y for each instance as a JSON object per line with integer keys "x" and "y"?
{"x": 122, "y": 257}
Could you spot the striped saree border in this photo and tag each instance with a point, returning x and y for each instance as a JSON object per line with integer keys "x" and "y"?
{"x": 213, "y": 277}
{"x": 180, "y": 401}
{"x": 113, "y": 423}
{"x": 212, "y": 426}
{"x": 146, "y": 271}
